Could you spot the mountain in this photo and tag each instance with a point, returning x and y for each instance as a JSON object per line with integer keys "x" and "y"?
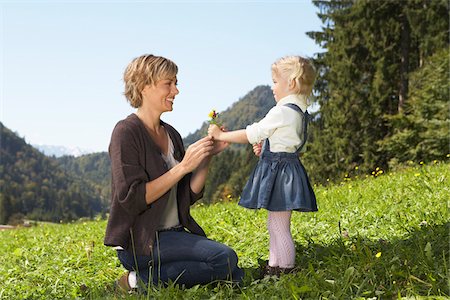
{"x": 35, "y": 186}
{"x": 250, "y": 108}
{"x": 94, "y": 167}
{"x": 58, "y": 151}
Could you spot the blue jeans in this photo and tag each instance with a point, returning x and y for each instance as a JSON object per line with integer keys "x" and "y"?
{"x": 185, "y": 258}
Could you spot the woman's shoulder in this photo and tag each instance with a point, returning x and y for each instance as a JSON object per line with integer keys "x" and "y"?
{"x": 127, "y": 126}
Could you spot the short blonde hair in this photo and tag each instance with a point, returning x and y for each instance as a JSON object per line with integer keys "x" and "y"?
{"x": 297, "y": 69}
{"x": 146, "y": 70}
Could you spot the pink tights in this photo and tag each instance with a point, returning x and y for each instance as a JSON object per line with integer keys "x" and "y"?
{"x": 281, "y": 249}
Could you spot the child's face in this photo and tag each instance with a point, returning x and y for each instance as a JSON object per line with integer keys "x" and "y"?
{"x": 280, "y": 87}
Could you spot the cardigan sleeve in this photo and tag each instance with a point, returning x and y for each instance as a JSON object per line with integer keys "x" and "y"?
{"x": 194, "y": 197}
{"x": 128, "y": 176}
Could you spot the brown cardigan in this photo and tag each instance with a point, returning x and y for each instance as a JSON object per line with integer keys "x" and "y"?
{"x": 136, "y": 160}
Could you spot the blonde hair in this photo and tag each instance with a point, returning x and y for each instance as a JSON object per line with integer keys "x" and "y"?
{"x": 146, "y": 70}
{"x": 297, "y": 69}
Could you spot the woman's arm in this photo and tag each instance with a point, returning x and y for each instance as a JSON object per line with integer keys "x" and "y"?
{"x": 198, "y": 178}
{"x": 196, "y": 157}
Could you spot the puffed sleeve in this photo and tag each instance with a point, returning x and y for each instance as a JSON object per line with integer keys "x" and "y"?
{"x": 263, "y": 129}
{"x": 128, "y": 175}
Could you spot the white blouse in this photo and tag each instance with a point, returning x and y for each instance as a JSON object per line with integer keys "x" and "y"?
{"x": 169, "y": 217}
{"x": 282, "y": 126}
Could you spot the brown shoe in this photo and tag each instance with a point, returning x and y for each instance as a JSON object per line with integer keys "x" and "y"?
{"x": 267, "y": 270}
{"x": 123, "y": 284}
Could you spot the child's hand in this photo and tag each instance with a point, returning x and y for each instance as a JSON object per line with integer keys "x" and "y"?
{"x": 257, "y": 148}
{"x": 214, "y": 131}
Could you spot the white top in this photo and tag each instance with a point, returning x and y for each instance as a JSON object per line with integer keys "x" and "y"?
{"x": 282, "y": 126}
{"x": 169, "y": 217}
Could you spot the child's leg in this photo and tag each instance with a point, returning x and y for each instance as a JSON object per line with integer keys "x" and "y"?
{"x": 273, "y": 259}
{"x": 282, "y": 249}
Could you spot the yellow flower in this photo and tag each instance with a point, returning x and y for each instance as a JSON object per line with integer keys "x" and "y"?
{"x": 214, "y": 118}
{"x": 378, "y": 255}
{"x": 417, "y": 174}
{"x": 356, "y": 168}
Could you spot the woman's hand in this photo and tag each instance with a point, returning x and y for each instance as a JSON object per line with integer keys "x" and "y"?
{"x": 257, "y": 148}
{"x": 197, "y": 152}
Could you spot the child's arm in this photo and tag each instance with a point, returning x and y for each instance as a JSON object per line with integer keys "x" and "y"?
{"x": 236, "y": 136}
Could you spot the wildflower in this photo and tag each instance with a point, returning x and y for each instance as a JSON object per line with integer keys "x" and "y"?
{"x": 435, "y": 161}
{"x": 345, "y": 234}
{"x": 417, "y": 174}
{"x": 213, "y": 115}
{"x": 378, "y": 255}
{"x": 423, "y": 223}
{"x": 448, "y": 155}
{"x": 421, "y": 163}
{"x": 356, "y": 168}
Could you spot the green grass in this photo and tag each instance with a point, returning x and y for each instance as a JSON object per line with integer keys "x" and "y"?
{"x": 383, "y": 237}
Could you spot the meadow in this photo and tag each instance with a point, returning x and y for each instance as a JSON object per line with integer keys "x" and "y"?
{"x": 384, "y": 236}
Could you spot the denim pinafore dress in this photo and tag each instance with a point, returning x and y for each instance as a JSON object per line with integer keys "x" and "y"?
{"x": 279, "y": 181}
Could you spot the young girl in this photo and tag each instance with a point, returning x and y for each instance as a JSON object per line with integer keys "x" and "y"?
{"x": 279, "y": 182}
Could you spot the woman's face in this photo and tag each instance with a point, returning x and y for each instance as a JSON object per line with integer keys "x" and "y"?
{"x": 280, "y": 87}
{"x": 162, "y": 94}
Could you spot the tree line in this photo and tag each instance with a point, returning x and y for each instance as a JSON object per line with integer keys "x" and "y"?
{"x": 382, "y": 86}
{"x": 35, "y": 186}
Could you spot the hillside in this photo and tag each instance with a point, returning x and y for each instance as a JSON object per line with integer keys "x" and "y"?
{"x": 382, "y": 237}
{"x": 248, "y": 109}
{"x": 34, "y": 186}
{"x": 95, "y": 168}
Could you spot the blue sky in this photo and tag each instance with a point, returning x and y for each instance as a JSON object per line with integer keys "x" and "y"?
{"x": 62, "y": 61}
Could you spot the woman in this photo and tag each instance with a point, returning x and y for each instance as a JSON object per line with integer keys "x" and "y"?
{"x": 154, "y": 182}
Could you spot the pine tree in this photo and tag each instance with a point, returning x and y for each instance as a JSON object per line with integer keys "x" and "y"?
{"x": 422, "y": 133}
{"x": 364, "y": 77}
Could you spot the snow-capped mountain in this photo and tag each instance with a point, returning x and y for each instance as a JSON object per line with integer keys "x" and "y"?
{"x": 59, "y": 151}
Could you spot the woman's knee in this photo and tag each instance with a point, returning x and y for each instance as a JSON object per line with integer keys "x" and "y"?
{"x": 225, "y": 257}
